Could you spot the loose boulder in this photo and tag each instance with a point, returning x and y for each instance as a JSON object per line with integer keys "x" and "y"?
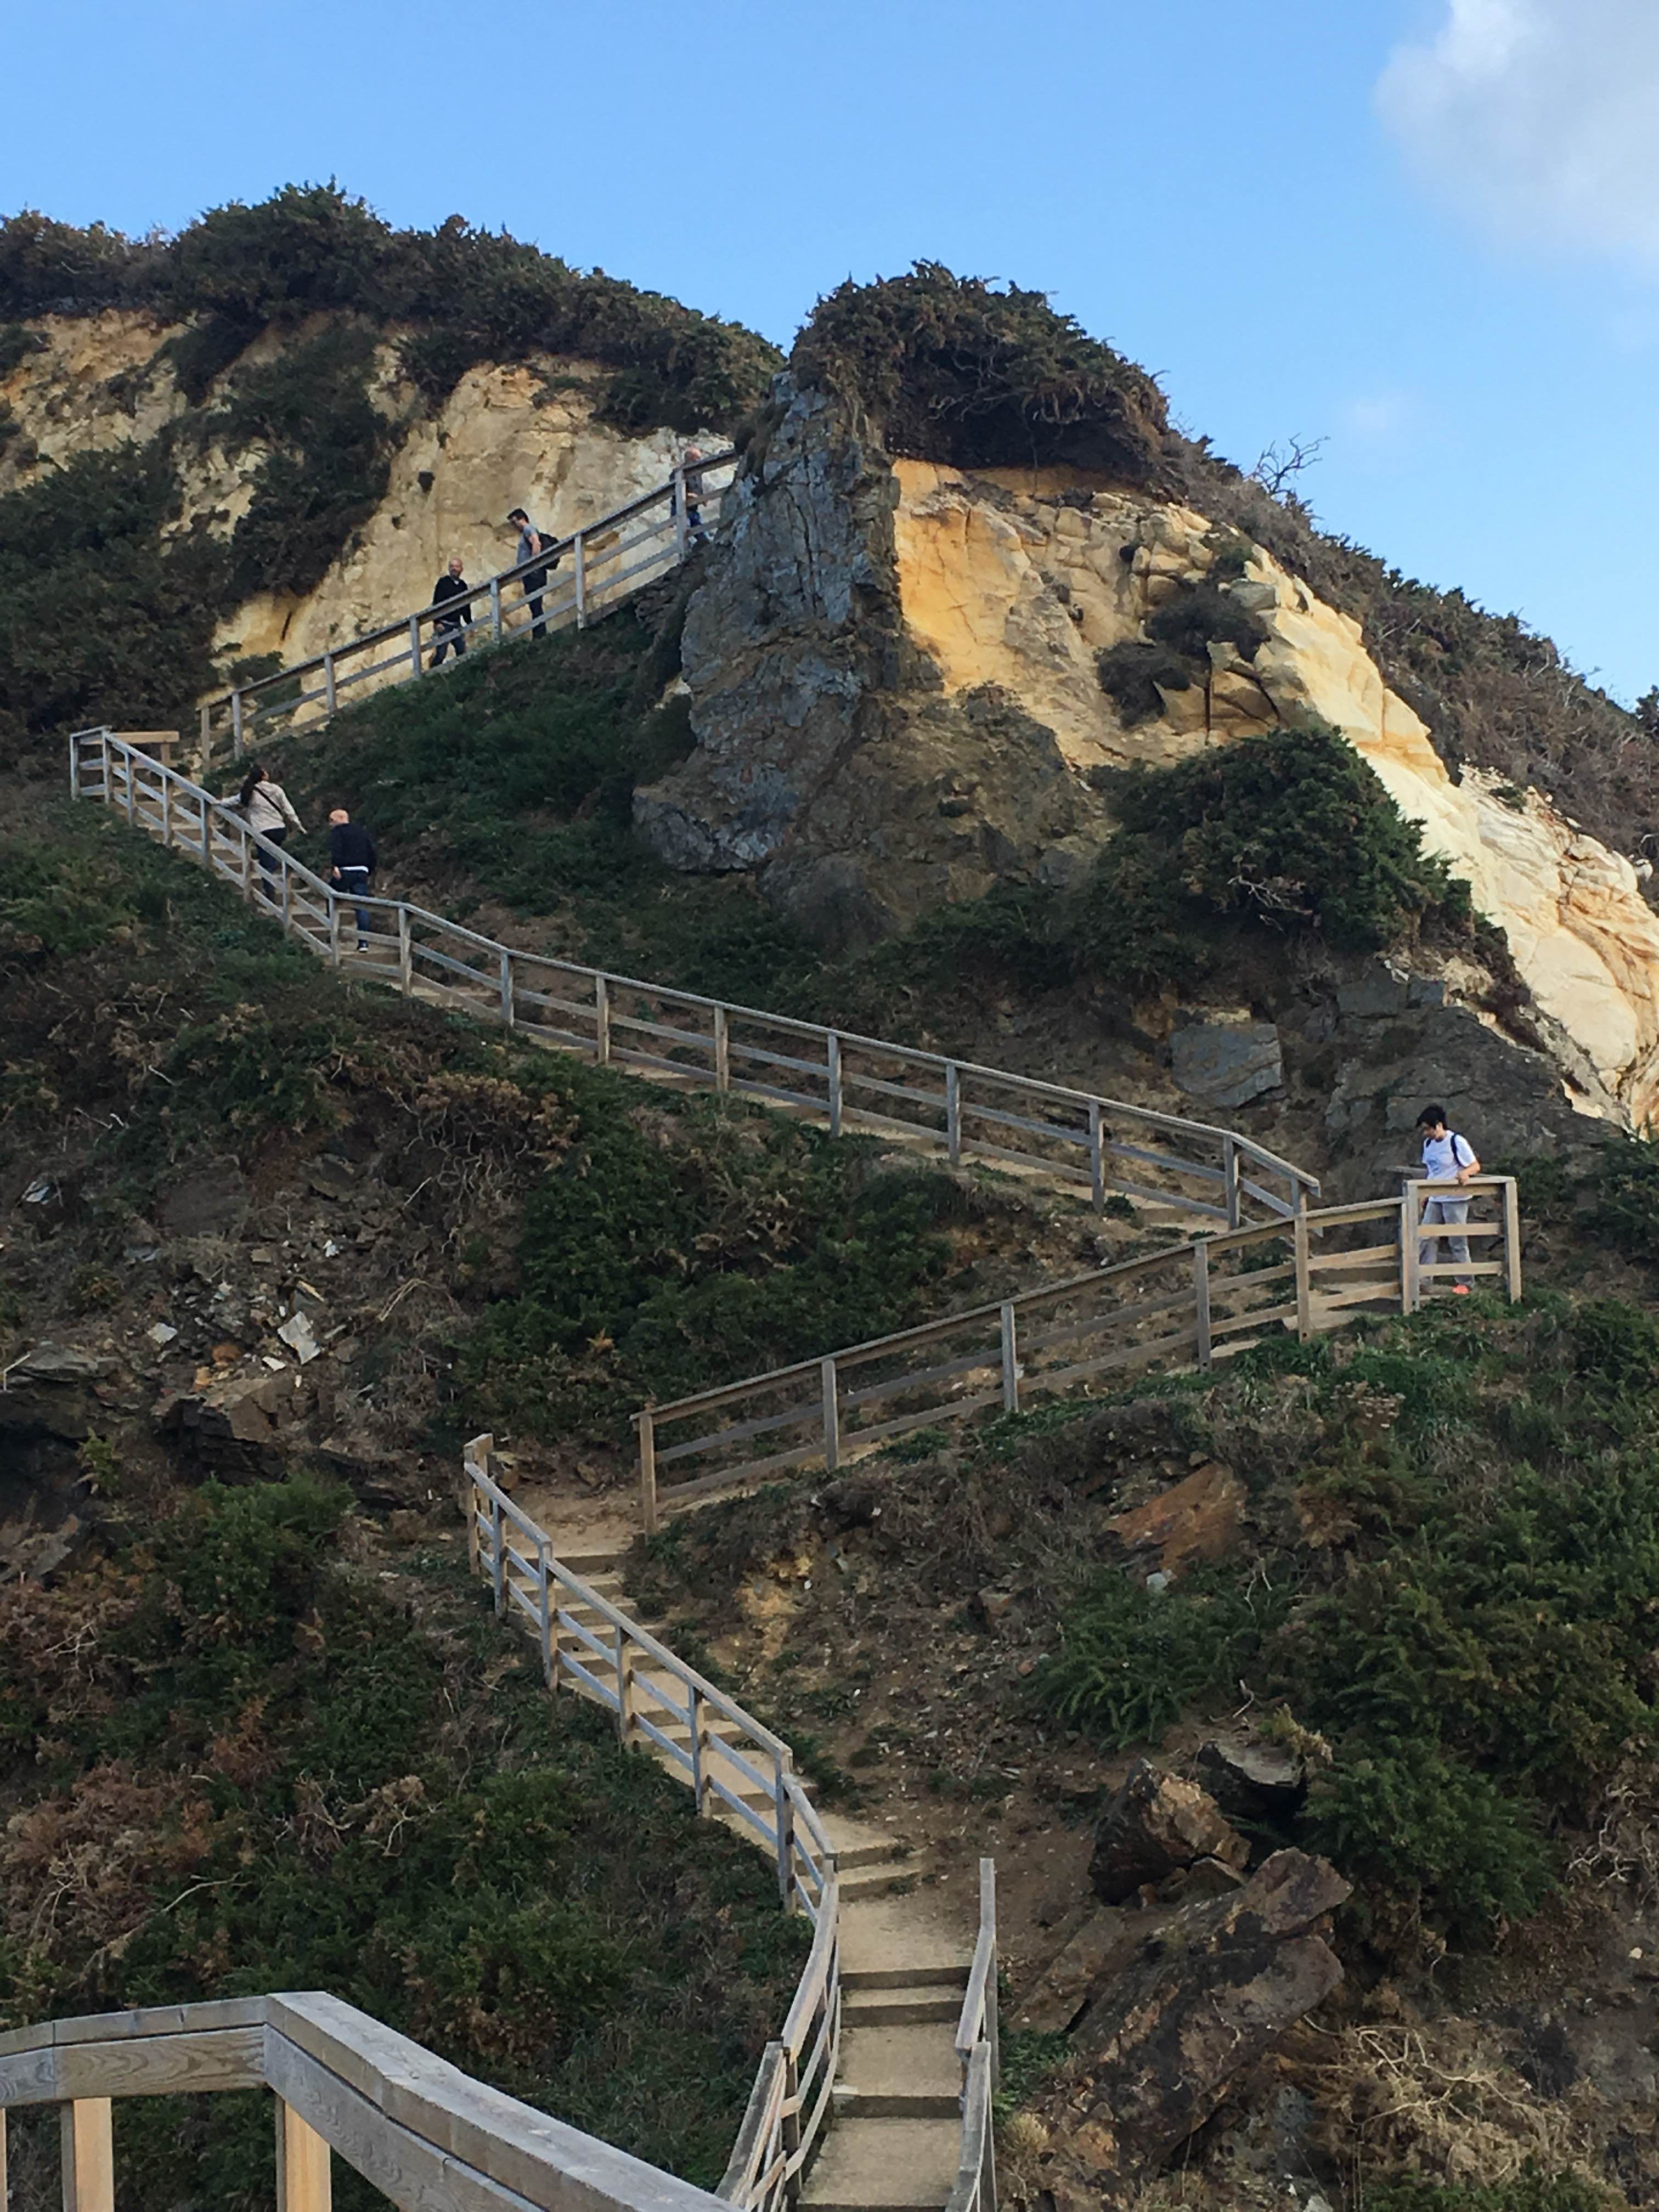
{"x": 1205, "y": 1996}
{"x": 1156, "y": 1825}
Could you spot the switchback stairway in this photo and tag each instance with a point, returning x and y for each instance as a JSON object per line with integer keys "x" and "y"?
{"x": 865, "y": 2042}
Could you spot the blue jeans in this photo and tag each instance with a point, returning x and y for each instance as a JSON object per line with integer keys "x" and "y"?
{"x": 354, "y": 882}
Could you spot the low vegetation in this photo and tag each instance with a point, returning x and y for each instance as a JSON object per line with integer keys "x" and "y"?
{"x": 513, "y": 779}
{"x": 952, "y": 370}
{"x": 236, "y": 1758}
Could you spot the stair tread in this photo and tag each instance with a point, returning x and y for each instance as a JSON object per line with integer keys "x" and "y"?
{"x": 885, "y": 2166}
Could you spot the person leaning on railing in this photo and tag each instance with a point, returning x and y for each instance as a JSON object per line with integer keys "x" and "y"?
{"x": 1447, "y": 1159}
{"x": 265, "y": 808}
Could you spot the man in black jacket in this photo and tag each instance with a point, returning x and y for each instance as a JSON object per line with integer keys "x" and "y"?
{"x": 351, "y": 863}
{"x": 448, "y": 629}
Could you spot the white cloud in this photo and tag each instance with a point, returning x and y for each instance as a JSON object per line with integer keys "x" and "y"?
{"x": 1541, "y": 117}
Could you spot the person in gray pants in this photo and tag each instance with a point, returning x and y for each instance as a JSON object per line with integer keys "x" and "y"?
{"x": 1447, "y": 1159}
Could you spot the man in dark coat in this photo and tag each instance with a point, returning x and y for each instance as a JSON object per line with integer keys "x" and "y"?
{"x": 449, "y": 628}
{"x": 351, "y": 863}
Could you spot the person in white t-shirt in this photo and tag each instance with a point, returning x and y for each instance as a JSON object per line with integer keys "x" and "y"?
{"x": 1448, "y": 1158}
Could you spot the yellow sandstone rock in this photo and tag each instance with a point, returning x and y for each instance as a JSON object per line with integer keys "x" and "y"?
{"x": 1002, "y": 584}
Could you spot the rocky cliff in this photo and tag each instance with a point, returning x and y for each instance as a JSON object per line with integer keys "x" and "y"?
{"x": 902, "y": 674}
{"x": 519, "y": 433}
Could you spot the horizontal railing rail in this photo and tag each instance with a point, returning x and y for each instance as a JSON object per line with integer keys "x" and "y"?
{"x": 1189, "y": 1305}
{"x": 730, "y": 1762}
{"x": 425, "y": 2135}
{"x": 583, "y": 575}
{"x": 957, "y": 1110}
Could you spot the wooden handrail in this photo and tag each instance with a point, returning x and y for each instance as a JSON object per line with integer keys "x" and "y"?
{"x": 416, "y": 2128}
{"x": 776, "y": 2137}
{"x": 587, "y": 577}
{"x": 837, "y": 1047}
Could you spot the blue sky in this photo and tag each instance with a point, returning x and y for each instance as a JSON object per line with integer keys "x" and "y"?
{"x": 1426, "y": 231}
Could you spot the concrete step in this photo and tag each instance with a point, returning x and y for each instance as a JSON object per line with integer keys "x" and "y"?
{"x": 904, "y": 2071}
{"x": 885, "y": 2166}
{"x": 591, "y": 1565}
{"x": 902, "y": 2003}
{"x": 879, "y": 1881}
{"x": 889, "y": 1942}
{"x": 913, "y": 1975}
{"x": 850, "y": 1856}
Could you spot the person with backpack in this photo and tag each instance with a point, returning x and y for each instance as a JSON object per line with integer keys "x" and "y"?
{"x": 1447, "y": 1159}
{"x": 449, "y": 628}
{"x": 531, "y": 543}
{"x": 351, "y": 863}
{"x": 264, "y": 806}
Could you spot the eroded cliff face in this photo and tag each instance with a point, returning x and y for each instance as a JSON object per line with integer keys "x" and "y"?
{"x": 523, "y": 435}
{"x": 894, "y": 681}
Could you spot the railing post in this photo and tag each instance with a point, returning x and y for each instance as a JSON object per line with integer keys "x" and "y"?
{"x": 248, "y": 865}
{"x": 475, "y": 1459}
{"x": 648, "y": 1471}
{"x": 495, "y": 610}
{"x": 330, "y": 699}
{"x": 206, "y": 834}
{"x": 602, "y": 1021}
{"x": 304, "y": 2180}
{"x": 1304, "y": 1276}
{"x": 236, "y": 746}
{"x": 831, "y": 1415}
{"x": 75, "y": 792}
{"x": 1410, "y": 1286}
{"x": 682, "y": 528}
{"x": 1097, "y": 1158}
{"x": 415, "y": 644}
{"x": 405, "y": 954}
{"x": 88, "y": 2156}
{"x": 833, "y": 1072}
{"x": 1009, "y": 1363}
{"x": 722, "y": 1049}
{"x": 987, "y": 1916}
{"x": 953, "y": 1114}
{"x": 506, "y": 988}
{"x": 624, "y": 1686}
{"x": 792, "y": 2124}
{"x": 103, "y": 755}
{"x": 578, "y": 548}
{"x": 497, "y": 1555}
{"x": 544, "y": 1617}
{"x": 1229, "y": 1181}
{"x": 287, "y": 874}
{"x": 784, "y": 1825}
{"x": 1512, "y": 1203}
{"x": 333, "y": 929}
{"x": 131, "y": 785}
{"x": 1201, "y": 1300}
{"x": 167, "y": 811}
{"x": 694, "y": 1717}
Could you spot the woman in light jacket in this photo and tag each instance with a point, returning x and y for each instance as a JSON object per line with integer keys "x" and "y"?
{"x": 265, "y": 805}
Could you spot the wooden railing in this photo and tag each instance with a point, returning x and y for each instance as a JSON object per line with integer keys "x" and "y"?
{"x": 1188, "y": 1305}
{"x": 729, "y": 1761}
{"x": 954, "y": 1110}
{"x": 980, "y": 2058}
{"x": 425, "y": 2135}
{"x": 588, "y": 573}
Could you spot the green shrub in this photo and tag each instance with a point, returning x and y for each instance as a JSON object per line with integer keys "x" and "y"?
{"x": 330, "y": 453}
{"x": 1623, "y": 1193}
{"x": 1135, "y": 1660}
{"x": 1293, "y": 828}
{"x": 1428, "y": 1824}
{"x": 953, "y": 370}
{"x": 101, "y": 617}
{"x": 16, "y": 345}
{"x": 1616, "y": 1344}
